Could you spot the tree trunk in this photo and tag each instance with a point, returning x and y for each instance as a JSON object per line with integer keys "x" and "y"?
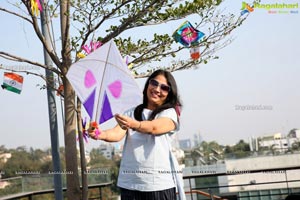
{"x": 82, "y": 153}
{"x": 73, "y": 186}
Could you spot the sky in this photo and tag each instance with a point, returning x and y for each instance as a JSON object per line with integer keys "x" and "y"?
{"x": 250, "y": 91}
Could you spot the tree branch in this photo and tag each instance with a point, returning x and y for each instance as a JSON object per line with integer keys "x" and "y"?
{"x": 104, "y": 18}
{"x": 20, "y": 59}
{"x": 16, "y": 14}
{"x": 37, "y": 30}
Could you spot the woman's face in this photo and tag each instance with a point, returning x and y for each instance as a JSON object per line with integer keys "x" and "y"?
{"x": 157, "y": 91}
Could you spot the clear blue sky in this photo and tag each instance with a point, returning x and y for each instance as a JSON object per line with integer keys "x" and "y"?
{"x": 260, "y": 68}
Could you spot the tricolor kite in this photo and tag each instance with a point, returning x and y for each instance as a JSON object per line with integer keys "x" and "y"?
{"x": 187, "y": 35}
{"x": 104, "y": 84}
{"x": 195, "y": 53}
{"x": 12, "y": 82}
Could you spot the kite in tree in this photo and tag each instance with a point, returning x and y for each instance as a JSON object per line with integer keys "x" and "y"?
{"x": 12, "y": 82}
{"x": 187, "y": 35}
{"x": 36, "y": 6}
{"x": 60, "y": 90}
{"x": 195, "y": 53}
{"x": 89, "y": 48}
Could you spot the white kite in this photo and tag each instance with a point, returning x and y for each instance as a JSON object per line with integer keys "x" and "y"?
{"x": 104, "y": 84}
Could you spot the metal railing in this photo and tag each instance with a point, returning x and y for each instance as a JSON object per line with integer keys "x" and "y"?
{"x": 212, "y": 191}
{"x": 30, "y": 195}
{"x": 30, "y": 186}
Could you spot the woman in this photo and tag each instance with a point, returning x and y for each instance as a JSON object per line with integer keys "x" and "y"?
{"x": 147, "y": 169}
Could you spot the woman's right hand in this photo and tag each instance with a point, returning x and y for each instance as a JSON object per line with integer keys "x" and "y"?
{"x": 115, "y": 134}
{"x": 94, "y": 131}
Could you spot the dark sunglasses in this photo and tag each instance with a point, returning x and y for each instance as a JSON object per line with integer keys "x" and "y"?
{"x": 163, "y": 87}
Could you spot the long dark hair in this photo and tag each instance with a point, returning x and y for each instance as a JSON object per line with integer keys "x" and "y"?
{"x": 172, "y": 100}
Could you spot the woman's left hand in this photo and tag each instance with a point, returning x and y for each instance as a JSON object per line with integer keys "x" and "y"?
{"x": 125, "y": 122}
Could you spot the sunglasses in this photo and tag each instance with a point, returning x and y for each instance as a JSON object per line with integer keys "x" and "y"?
{"x": 163, "y": 87}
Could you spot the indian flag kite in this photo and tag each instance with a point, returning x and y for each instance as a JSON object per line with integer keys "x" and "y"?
{"x": 104, "y": 84}
{"x": 12, "y": 82}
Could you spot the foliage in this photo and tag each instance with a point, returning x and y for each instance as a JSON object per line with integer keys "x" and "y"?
{"x": 211, "y": 152}
{"x": 3, "y": 149}
{"x": 31, "y": 160}
{"x": 23, "y": 161}
{"x": 98, "y": 161}
{"x": 13, "y": 188}
{"x": 92, "y": 20}
{"x": 127, "y": 16}
{"x": 239, "y": 150}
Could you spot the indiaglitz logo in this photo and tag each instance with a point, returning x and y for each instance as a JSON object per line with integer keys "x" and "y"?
{"x": 272, "y": 8}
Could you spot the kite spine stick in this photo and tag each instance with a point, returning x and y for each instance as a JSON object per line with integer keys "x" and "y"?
{"x": 98, "y": 112}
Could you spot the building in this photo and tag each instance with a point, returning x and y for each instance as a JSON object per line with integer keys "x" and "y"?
{"x": 258, "y": 181}
{"x": 276, "y": 142}
{"x": 245, "y": 183}
{"x": 185, "y": 144}
{"x": 111, "y": 150}
{"x": 188, "y": 144}
{"x": 107, "y": 150}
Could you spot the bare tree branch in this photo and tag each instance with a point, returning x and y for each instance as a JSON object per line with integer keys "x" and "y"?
{"x": 104, "y": 18}
{"x": 16, "y": 14}
{"x": 20, "y": 59}
{"x": 36, "y": 28}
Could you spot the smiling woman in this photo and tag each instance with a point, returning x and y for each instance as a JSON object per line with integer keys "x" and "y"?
{"x": 147, "y": 148}
{"x": 157, "y": 92}
{"x": 156, "y": 98}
